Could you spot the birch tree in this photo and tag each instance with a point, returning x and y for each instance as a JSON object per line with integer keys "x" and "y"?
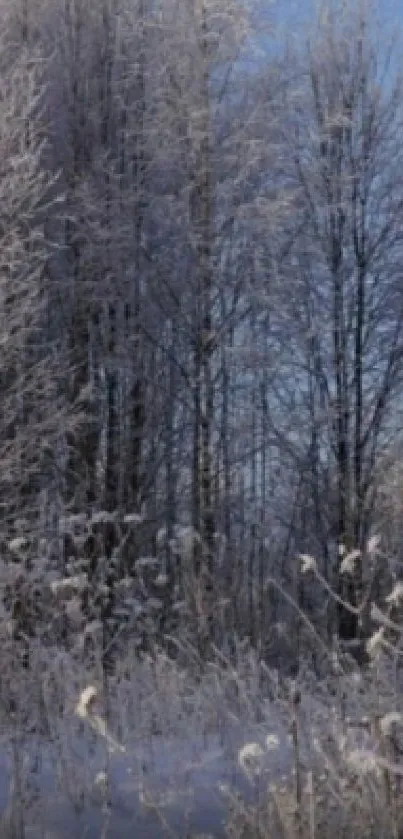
{"x": 201, "y": 64}
{"x": 32, "y": 401}
{"x": 345, "y": 144}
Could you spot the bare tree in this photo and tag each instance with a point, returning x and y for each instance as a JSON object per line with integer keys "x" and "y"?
{"x": 32, "y": 400}
{"x": 344, "y": 139}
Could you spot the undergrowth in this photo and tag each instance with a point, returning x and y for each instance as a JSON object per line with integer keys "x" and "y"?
{"x": 319, "y": 755}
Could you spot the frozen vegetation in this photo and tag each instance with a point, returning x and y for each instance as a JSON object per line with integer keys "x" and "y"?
{"x": 107, "y": 730}
{"x": 201, "y": 379}
{"x": 230, "y": 751}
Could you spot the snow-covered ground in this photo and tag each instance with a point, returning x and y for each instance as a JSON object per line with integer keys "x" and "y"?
{"x": 157, "y": 788}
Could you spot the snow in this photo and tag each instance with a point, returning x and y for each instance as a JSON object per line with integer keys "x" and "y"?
{"x": 158, "y": 787}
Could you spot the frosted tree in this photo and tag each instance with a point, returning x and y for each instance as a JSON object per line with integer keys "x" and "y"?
{"x": 32, "y": 399}
{"x": 343, "y": 137}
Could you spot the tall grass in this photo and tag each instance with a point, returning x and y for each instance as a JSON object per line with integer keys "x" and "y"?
{"x": 320, "y": 754}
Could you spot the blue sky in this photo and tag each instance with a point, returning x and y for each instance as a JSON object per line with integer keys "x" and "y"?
{"x": 289, "y": 14}
{"x": 290, "y": 19}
